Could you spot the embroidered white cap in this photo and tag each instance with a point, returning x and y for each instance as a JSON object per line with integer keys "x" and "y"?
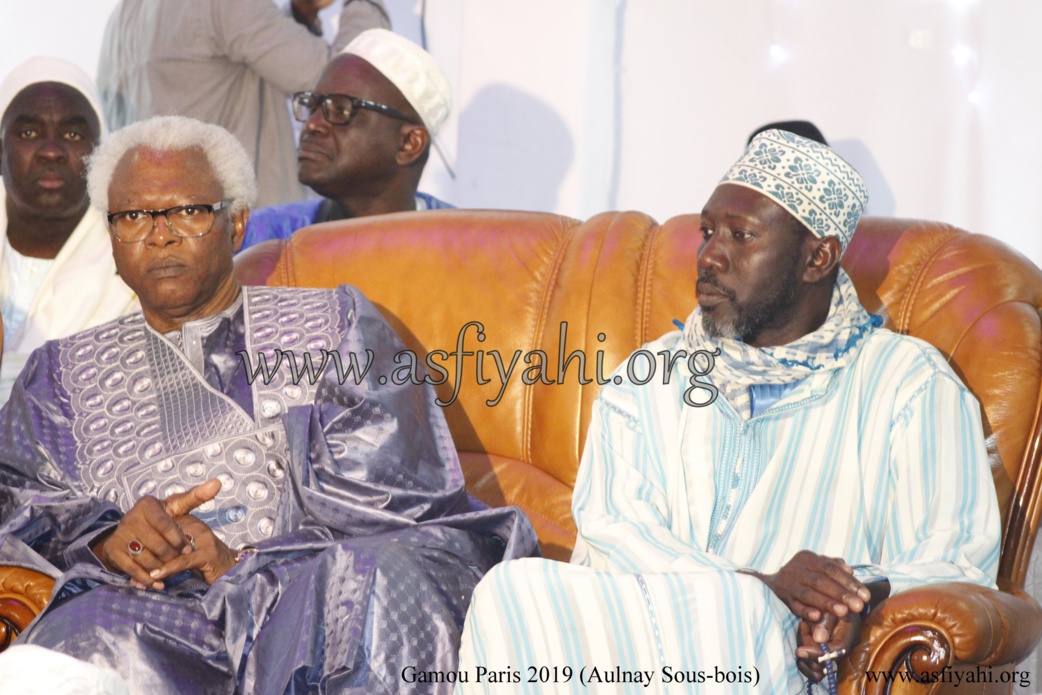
{"x": 808, "y": 179}
{"x": 409, "y": 68}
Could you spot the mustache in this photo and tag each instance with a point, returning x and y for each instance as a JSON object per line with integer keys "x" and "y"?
{"x": 51, "y": 170}
{"x": 306, "y": 135}
{"x": 710, "y": 281}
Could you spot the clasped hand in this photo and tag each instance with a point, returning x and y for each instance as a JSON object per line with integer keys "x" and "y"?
{"x": 824, "y": 594}
{"x": 159, "y": 538}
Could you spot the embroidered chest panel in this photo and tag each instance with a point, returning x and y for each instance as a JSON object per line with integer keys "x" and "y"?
{"x": 147, "y": 423}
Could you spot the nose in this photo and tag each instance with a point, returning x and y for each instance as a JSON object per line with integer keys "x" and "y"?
{"x": 161, "y": 234}
{"x": 53, "y": 149}
{"x": 316, "y": 121}
{"x": 712, "y": 255}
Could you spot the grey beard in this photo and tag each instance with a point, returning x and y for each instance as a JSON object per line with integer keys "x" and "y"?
{"x": 751, "y": 319}
{"x": 714, "y": 329}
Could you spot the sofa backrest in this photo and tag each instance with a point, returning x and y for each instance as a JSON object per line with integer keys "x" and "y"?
{"x": 618, "y": 280}
{"x": 978, "y": 302}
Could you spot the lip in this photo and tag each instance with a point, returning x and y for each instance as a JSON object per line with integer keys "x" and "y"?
{"x": 310, "y": 151}
{"x": 51, "y": 179}
{"x": 51, "y": 183}
{"x": 710, "y": 295}
{"x": 711, "y": 299}
{"x": 166, "y": 268}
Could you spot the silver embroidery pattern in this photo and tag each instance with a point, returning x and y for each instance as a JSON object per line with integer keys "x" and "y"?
{"x": 148, "y": 424}
{"x": 297, "y": 321}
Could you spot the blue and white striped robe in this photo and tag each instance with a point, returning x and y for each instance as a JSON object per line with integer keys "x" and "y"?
{"x": 882, "y": 463}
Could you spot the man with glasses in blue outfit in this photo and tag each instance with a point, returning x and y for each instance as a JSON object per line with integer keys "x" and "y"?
{"x": 228, "y": 62}
{"x": 368, "y": 129}
{"x": 217, "y": 530}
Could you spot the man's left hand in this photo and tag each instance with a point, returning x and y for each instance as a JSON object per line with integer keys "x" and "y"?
{"x": 813, "y": 586}
{"x": 207, "y": 554}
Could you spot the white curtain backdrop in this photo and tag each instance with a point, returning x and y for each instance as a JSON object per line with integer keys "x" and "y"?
{"x": 580, "y": 106}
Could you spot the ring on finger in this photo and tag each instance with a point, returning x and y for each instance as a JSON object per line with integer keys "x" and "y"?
{"x": 190, "y": 539}
{"x": 134, "y": 548}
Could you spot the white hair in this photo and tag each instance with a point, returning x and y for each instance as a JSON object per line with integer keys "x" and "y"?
{"x": 228, "y": 160}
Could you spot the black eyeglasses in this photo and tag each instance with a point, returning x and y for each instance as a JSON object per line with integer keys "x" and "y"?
{"x": 130, "y": 226}
{"x": 339, "y": 109}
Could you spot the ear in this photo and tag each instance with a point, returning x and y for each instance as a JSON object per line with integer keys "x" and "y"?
{"x": 824, "y": 257}
{"x": 414, "y": 142}
{"x": 239, "y": 221}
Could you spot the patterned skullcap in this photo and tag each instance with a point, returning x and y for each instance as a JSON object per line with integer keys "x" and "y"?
{"x": 806, "y": 178}
{"x": 409, "y": 68}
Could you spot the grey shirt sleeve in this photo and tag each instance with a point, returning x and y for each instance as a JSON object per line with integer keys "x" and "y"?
{"x": 356, "y": 17}
{"x": 279, "y": 49}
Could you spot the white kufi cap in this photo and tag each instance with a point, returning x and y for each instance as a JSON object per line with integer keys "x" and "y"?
{"x": 409, "y": 68}
{"x": 41, "y": 69}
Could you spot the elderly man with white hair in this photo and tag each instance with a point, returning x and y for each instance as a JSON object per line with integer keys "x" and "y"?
{"x": 56, "y": 271}
{"x": 369, "y": 126}
{"x": 223, "y": 509}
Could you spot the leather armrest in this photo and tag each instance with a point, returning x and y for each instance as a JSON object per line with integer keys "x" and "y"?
{"x": 929, "y": 628}
{"x": 257, "y": 265}
{"x": 23, "y": 594}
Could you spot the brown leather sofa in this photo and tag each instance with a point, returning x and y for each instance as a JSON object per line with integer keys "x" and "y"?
{"x": 538, "y": 281}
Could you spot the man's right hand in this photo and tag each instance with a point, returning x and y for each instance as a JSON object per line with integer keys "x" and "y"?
{"x": 836, "y": 633}
{"x": 149, "y": 526}
{"x": 812, "y": 585}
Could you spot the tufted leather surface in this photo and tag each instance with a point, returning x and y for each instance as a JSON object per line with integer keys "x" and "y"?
{"x": 23, "y": 594}
{"x": 623, "y": 277}
{"x": 978, "y": 302}
{"x": 617, "y": 281}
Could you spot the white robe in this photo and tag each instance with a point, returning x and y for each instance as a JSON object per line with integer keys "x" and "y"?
{"x": 81, "y": 290}
{"x": 881, "y": 463}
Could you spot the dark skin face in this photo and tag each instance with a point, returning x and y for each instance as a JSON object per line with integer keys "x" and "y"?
{"x": 761, "y": 276}
{"x": 176, "y": 279}
{"x": 46, "y": 132}
{"x": 372, "y": 164}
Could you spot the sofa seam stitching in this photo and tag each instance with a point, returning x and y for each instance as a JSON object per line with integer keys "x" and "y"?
{"x": 908, "y": 303}
{"x": 544, "y": 308}
{"x": 649, "y": 251}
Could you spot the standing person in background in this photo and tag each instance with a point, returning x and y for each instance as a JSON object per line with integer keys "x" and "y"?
{"x": 233, "y": 64}
{"x": 57, "y": 276}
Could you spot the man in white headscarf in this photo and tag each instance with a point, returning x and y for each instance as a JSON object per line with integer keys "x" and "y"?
{"x": 57, "y": 276}
{"x": 730, "y": 524}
